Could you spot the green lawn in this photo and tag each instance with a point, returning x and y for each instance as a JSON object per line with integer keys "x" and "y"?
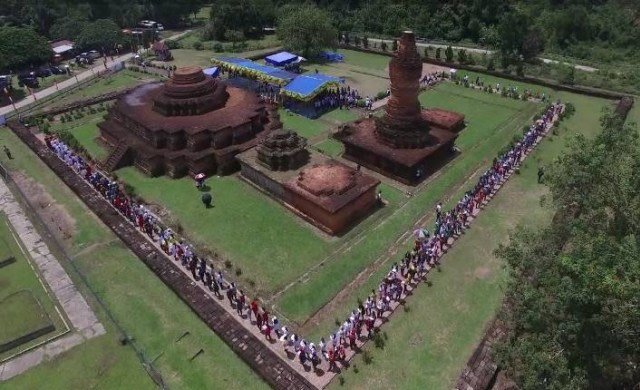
{"x": 250, "y": 229}
{"x": 490, "y": 127}
{"x": 429, "y": 344}
{"x": 86, "y": 132}
{"x": 147, "y": 310}
{"x": 330, "y": 147}
{"x": 120, "y": 80}
{"x": 304, "y": 126}
{"x": 20, "y": 290}
{"x": 20, "y": 314}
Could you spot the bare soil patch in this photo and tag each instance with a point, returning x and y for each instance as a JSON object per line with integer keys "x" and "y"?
{"x": 55, "y": 216}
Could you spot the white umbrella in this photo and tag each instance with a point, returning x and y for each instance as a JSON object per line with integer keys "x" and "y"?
{"x": 200, "y": 176}
{"x": 452, "y": 71}
{"x": 421, "y": 233}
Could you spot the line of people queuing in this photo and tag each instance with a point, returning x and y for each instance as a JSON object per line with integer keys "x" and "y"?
{"x": 411, "y": 269}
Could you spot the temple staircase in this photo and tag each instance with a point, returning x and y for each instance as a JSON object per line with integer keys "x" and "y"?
{"x": 117, "y": 158}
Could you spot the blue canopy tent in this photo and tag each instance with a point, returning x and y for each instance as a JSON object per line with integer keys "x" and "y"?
{"x": 253, "y": 70}
{"x": 214, "y": 71}
{"x": 300, "y": 94}
{"x": 305, "y": 87}
{"x": 281, "y": 59}
{"x": 332, "y": 56}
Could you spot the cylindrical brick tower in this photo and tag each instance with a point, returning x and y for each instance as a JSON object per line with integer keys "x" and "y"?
{"x": 403, "y": 125}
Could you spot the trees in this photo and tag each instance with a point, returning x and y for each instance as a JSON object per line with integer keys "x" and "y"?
{"x": 306, "y": 29}
{"x": 99, "y": 35}
{"x": 573, "y": 297}
{"x": 22, "y": 47}
{"x": 249, "y": 17}
{"x": 448, "y": 54}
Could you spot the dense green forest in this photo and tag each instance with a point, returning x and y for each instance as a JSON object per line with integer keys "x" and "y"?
{"x": 595, "y": 30}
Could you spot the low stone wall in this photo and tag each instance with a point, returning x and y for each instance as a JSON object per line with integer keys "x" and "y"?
{"x": 481, "y": 371}
{"x": 258, "y": 356}
{"x": 82, "y": 103}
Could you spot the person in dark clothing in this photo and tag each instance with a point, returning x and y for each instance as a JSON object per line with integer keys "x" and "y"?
{"x": 540, "y": 174}
{"x": 8, "y": 152}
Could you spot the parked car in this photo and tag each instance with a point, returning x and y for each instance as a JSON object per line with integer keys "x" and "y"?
{"x": 159, "y": 27}
{"x": 42, "y": 72}
{"x": 56, "y": 70}
{"x": 93, "y": 54}
{"x": 5, "y": 82}
{"x": 28, "y": 80}
{"x": 84, "y": 58}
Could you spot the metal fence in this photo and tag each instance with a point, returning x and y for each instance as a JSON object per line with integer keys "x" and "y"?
{"x": 57, "y": 247}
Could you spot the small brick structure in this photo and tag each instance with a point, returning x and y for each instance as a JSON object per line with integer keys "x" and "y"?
{"x": 407, "y": 143}
{"x": 324, "y": 192}
{"x": 331, "y": 195}
{"x": 258, "y": 356}
{"x": 191, "y": 124}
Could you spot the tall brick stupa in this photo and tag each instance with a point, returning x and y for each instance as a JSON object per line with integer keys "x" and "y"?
{"x": 407, "y": 143}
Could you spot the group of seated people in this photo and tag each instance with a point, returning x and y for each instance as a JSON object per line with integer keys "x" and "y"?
{"x": 412, "y": 268}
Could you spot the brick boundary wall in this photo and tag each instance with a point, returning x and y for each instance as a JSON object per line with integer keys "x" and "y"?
{"x": 81, "y": 103}
{"x": 260, "y": 358}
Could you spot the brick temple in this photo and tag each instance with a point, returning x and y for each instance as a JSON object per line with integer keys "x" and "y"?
{"x": 190, "y": 124}
{"x": 407, "y": 143}
{"x": 328, "y": 194}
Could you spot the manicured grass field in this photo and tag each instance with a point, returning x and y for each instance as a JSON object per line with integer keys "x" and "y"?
{"x": 490, "y": 127}
{"x": 270, "y": 244}
{"x": 428, "y": 344}
{"x": 330, "y": 147}
{"x": 20, "y": 292}
{"x": 362, "y": 71}
{"x": 86, "y": 132}
{"x": 120, "y": 80}
{"x": 20, "y": 315}
{"x": 145, "y": 308}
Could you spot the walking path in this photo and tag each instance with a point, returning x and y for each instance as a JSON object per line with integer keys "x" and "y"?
{"x": 85, "y": 323}
{"x": 480, "y": 51}
{"x": 91, "y": 72}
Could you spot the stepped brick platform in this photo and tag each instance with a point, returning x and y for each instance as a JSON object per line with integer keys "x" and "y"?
{"x": 263, "y": 360}
{"x": 190, "y": 124}
{"x": 326, "y": 193}
{"x": 407, "y": 143}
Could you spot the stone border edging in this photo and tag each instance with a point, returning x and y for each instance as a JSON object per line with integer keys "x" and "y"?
{"x": 261, "y": 359}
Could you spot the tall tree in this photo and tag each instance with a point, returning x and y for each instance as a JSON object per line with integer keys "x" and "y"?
{"x": 99, "y": 35}
{"x": 573, "y": 299}
{"x": 21, "y": 47}
{"x": 306, "y": 29}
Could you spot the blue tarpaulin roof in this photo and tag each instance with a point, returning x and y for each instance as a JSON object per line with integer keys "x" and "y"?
{"x": 255, "y": 70}
{"x": 213, "y": 71}
{"x": 281, "y": 59}
{"x": 308, "y": 85}
{"x": 332, "y": 57}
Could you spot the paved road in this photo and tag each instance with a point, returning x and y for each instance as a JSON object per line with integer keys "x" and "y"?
{"x": 77, "y": 78}
{"x": 480, "y": 51}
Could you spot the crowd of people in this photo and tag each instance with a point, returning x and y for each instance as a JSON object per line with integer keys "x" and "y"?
{"x": 361, "y": 321}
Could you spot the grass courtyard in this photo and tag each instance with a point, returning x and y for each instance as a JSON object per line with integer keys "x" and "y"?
{"x": 25, "y": 304}
{"x": 428, "y": 344}
{"x": 148, "y": 312}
